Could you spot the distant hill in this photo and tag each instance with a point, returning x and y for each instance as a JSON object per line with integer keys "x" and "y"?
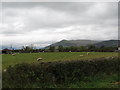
{"x": 83, "y": 42}
{"x": 107, "y": 43}
{"x": 67, "y": 43}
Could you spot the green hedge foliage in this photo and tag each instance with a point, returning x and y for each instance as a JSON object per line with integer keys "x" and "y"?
{"x": 24, "y": 74}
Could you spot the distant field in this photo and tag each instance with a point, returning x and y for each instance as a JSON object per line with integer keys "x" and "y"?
{"x": 56, "y": 56}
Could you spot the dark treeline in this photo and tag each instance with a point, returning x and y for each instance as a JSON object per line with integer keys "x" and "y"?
{"x": 89, "y": 48}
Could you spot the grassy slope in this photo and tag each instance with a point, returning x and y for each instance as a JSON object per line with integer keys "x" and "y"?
{"x": 32, "y": 57}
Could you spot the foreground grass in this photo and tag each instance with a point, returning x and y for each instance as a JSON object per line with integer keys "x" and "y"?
{"x": 57, "y": 56}
{"x": 103, "y": 81}
{"x": 98, "y": 81}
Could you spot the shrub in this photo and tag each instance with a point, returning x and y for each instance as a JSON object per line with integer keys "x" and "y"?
{"x": 22, "y": 75}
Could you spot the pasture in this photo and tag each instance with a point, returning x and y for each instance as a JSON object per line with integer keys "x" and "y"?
{"x": 8, "y": 59}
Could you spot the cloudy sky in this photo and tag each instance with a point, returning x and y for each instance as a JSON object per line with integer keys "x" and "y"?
{"x": 41, "y": 23}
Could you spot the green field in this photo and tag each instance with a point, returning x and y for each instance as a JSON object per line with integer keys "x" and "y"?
{"x": 8, "y": 59}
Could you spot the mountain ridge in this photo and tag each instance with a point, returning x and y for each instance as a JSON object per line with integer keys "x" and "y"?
{"x": 98, "y": 43}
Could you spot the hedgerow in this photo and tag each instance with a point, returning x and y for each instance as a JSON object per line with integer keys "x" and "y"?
{"x": 22, "y": 75}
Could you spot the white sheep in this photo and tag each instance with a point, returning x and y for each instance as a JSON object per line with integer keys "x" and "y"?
{"x": 88, "y": 53}
{"x": 39, "y": 59}
{"x": 108, "y": 57}
{"x": 13, "y": 54}
{"x": 5, "y": 70}
{"x": 81, "y": 55}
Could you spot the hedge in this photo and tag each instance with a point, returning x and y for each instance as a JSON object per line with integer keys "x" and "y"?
{"x": 24, "y": 74}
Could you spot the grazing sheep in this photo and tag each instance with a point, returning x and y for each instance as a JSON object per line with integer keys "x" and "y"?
{"x": 88, "y": 53}
{"x": 108, "y": 57}
{"x": 13, "y": 54}
{"x": 39, "y": 59}
{"x": 112, "y": 57}
{"x": 81, "y": 55}
{"x": 5, "y": 70}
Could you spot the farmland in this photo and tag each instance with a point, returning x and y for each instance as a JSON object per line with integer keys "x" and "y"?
{"x": 61, "y": 70}
{"x": 8, "y": 59}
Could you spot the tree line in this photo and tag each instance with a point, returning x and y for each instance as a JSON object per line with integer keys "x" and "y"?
{"x": 89, "y": 48}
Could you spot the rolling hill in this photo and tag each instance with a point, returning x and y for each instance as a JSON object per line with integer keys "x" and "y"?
{"x": 67, "y": 43}
{"x": 108, "y": 43}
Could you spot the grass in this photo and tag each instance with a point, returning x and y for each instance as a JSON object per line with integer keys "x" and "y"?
{"x": 8, "y": 59}
{"x": 98, "y": 81}
{"x": 101, "y": 81}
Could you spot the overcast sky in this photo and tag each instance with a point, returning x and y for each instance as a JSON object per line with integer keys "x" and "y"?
{"x": 44, "y": 23}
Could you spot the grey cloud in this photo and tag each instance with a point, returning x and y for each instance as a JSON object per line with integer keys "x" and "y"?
{"x": 62, "y": 6}
{"x": 99, "y": 20}
{"x": 119, "y": 20}
{"x": 57, "y": 14}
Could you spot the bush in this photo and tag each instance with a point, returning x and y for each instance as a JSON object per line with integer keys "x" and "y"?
{"x": 22, "y": 75}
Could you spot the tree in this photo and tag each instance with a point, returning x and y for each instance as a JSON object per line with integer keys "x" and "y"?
{"x": 102, "y": 48}
{"x": 82, "y": 48}
{"x": 91, "y": 48}
{"x": 60, "y": 48}
{"x": 27, "y": 49}
{"x": 73, "y": 49}
{"x": 52, "y": 49}
{"x": 66, "y": 49}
